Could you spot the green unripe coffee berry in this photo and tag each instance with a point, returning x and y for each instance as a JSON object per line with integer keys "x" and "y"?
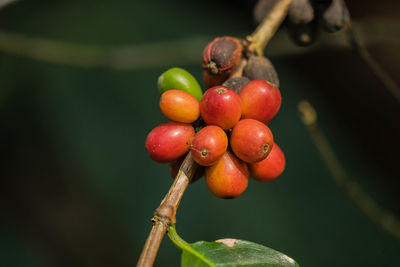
{"x": 179, "y": 79}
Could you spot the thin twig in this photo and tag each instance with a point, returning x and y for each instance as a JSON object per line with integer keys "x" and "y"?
{"x": 165, "y": 214}
{"x": 4, "y": 3}
{"x": 385, "y": 219}
{"x": 267, "y": 28}
{"x": 375, "y": 67}
{"x": 238, "y": 71}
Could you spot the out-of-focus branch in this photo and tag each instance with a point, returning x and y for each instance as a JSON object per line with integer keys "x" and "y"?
{"x": 385, "y": 219}
{"x": 4, "y": 3}
{"x": 375, "y": 67}
{"x": 93, "y": 56}
{"x": 176, "y": 52}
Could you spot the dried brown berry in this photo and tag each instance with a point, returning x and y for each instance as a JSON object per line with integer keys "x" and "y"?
{"x": 262, "y": 9}
{"x": 236, "y": 83}
{"x": 335, "y": 16}
{"x": 302, "y": 34}
{"x": 301, "y": 22}
{"x": 300, "y": 12}
{"x": 259, "y": 67}
{"x": 221, "y": 55}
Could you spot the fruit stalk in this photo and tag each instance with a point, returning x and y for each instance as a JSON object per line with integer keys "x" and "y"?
{"x": 267, "y": 28}
{"x": 165, "y": 214}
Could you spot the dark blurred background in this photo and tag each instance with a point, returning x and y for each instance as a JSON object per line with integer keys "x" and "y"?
{"x": 77, "y": 187}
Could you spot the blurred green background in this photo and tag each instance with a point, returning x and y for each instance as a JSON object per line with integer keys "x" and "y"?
{"x": 77, "y": 186}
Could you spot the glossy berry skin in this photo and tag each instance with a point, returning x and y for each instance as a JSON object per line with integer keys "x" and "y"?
{"x": 251, "y": 140}
{"x": 179, "y": 79}
{"x": 221, "y": 55}
{"x": 173, "y": 168}
{"x": 228, "y": 178}
{"x": 260, "y": 101}
{"x": 169, "y": 141}
{"x": 270, "y": 168}
{"x": 180, "y": 106}
{"x": 208, "y": 145}
{"x": 221, "y": 106}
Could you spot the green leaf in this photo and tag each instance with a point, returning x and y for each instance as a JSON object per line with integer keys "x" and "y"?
{"x": 228, "y": 253}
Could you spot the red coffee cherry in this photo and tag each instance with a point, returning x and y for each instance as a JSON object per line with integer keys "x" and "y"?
{"x": 208, "y": 145}
{"x": 221, "y": 106}
{"x": 169, "y": 141}
{"x": 221, "y": 55}
{"x": 251, "y": 140}
{"x": 270, "y": 168}
{"x": 174, "y": 166}
{"x": 260, "y": 101}
{"x": 180, "y": 106}
{"x": 228, "y": 178}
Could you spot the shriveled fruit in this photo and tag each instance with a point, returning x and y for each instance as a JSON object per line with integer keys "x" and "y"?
{"x": 236, "y": 83}
{"x": 179, "y": 79}
{"x": 270, "y": 168}
{"x": 208, "y": 145}
{"x": 335, "y": 16}
{"x": 174, "y": 166}
{"x": 221, "y": 55}
{"x": 221, "y": 106}
{"x": 301, "y": 12}
{"x": 259, "y": 67}
{"x": 260, "y": 101}
{"x": 262, "y": 9}
{"x": 228, "y": 178}
{"x": 169, "y": 141}
{"x": 303, "y": 34}
{"x": 251, "y": 140}
{"x": 180, "y": 106}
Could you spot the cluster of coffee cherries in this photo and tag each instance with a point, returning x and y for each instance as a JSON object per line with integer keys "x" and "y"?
{"x": 224, "y": 130}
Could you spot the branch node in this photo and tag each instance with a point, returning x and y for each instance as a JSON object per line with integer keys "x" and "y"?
{"x": 165, "y": 214}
